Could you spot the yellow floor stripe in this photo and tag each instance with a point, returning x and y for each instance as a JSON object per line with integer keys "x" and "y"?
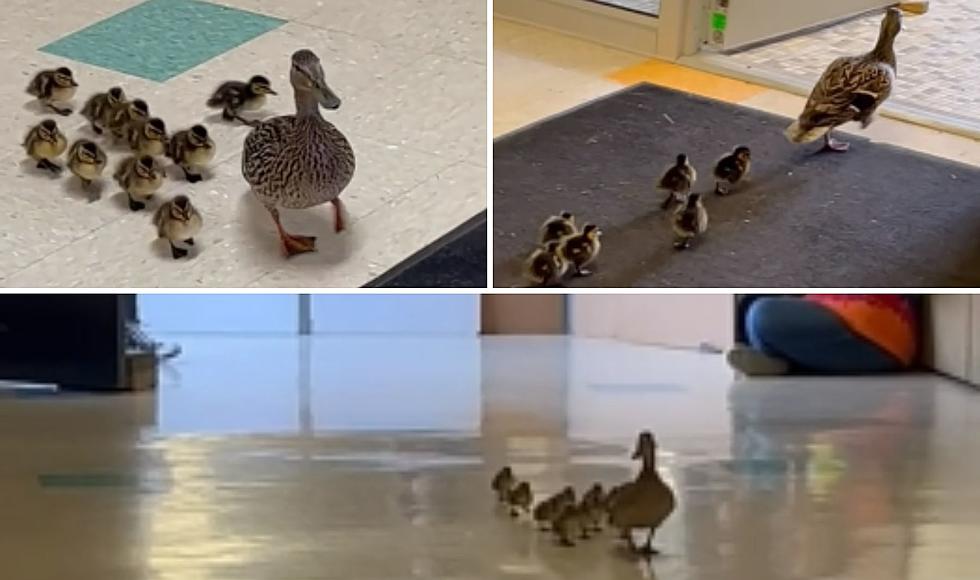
{"x": 681, "y": 78}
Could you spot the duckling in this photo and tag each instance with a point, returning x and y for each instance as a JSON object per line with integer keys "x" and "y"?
{"x": 647, "y": 501}
{"x": 87, "y": 161}
{"x": 44, "y": 143}
{"x": 52, "y": 87}
{"x": 851, "y": 89}
{"x": 677, "y": 180}
{"x": 546, "y": 512}
{"x": 101, "y": 107}
{"x": 135, "y": 111}
{"x": 519, "y": 498}
{"x": 148, "y": 137}
{"x": 732, "y": 168}
{"x": 140, "y": 177}
{"x": 545, "y": 267}
{"x": 178, "y": 221}
{"x": 571, "y": 523}
{"x": 235, "y": 96}
{"x": 191, "y": 149}
{"x": 502, "y": 483}
{"x": 580, "y": 250}
{"x": 690, "y": 221}
{"x": 557, "y": 227}
{"x": 594, "y": 507}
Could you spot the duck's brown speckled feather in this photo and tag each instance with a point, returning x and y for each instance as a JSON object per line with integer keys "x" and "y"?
{"x": 297, "y": 162}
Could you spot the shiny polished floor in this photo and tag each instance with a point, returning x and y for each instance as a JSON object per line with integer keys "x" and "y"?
{"x": 366, "y": 458}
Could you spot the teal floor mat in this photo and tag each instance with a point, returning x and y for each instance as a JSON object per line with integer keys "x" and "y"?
{"x": 160, "y": 39}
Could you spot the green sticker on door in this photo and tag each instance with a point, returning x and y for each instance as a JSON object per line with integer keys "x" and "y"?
{"x": 719, "y": 21}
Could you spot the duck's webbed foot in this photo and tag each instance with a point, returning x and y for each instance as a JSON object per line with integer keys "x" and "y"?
{"x": 835, "y": 146}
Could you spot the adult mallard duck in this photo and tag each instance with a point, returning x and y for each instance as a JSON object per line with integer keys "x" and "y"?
{"x": 851, "y": 89}
{"x": 646, "y": 502}
{"x": 300, "y": 161}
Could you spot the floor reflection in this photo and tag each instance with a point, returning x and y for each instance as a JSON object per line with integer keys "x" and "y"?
{"x": 369, "y": 458}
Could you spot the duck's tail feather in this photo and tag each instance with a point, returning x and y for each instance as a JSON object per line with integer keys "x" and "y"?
{"x": 797, "y": 134}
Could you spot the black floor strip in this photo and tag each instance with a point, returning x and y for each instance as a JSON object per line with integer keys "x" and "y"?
{"x": 456, "y": 260}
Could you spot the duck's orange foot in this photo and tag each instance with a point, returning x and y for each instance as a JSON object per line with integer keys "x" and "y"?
{"x": 296, "y": 245}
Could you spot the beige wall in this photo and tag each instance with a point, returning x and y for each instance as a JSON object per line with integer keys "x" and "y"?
{"x": 682, "y": 320}
{"x": 522, "y": 314}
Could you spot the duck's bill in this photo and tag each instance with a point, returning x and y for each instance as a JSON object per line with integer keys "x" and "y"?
{"x": 328, "y": 99}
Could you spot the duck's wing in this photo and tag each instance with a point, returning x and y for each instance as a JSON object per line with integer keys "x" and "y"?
{"x": 227, "y": 93}
{"x": 260, "y": 154}
{"x": 850, "y": 89}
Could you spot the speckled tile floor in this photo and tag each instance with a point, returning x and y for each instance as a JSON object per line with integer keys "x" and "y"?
{"x": 337, "y": 467}
{"x": 412, "y": 75}
{"x": 937, "y": 53}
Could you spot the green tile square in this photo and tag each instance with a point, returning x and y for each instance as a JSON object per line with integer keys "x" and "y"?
{"x": 160, "y": 39}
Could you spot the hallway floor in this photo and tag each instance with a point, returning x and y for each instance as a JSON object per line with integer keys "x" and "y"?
{"x": 411, "y": 76}
{"x": 278, "y": 458}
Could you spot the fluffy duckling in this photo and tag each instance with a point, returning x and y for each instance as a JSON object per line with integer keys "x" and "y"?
{"x": 557, "y": 227}
{"x": 544, "y": 267}
{"x": 851, "y": 89}
{"x": 135, "y": 111}
{"x": 646, "y": 502}
{"x": 178, "y": 221}
{"x": 87, "y": 161}
{"x": 570, "y": 524}
{"x": 45, "y": 143}
{"x": 502, "y": 483}
{"x": 580, "y": 250}
{"x": 594, "y": 506}
{"x": 140, "y": 178}
{"x": 192, "y": 149}
{"x": 520, "y": 498}
{"x": 54, "y": 87}
{"x": 731, "y": 169}
{"x": 148, "y": 137}
{"x": 677, "y": 180}
{"x": 102, "y": 107}
{"x": 546, "y": 512}
{"x": 690, "y": 221}
{"x": 235, "y": 96}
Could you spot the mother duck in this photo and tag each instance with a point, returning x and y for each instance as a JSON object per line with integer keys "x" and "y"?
{"x": 851, "y": 89}
{"x": 300, "y": 161}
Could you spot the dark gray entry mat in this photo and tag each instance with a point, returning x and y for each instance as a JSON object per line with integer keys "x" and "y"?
{"x": 878, "y": 216}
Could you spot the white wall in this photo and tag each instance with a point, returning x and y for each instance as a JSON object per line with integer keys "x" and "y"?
{"x": 439, "y": 314}
{"x": 234, "y": 313}
{"x": 684, "y": 320}
{"x": 428, "y": 314}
